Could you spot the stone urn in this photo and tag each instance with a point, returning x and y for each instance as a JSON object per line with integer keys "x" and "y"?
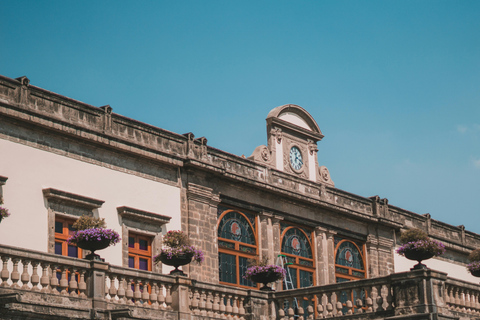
{"x": 475, "y": 273}
{"x": 176, "y": 261}
{"x": 419, "y": 256}
{"x": 266, "y": 278}
{"x": 92, "y": 246}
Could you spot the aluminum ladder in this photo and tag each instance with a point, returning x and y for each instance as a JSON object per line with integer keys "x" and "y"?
{"x": 282, "y": 261}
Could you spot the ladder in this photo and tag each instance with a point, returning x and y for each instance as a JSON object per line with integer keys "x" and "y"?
{"x": 282, "y": 261}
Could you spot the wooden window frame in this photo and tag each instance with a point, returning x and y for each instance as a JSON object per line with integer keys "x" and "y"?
{"x": 236, "y": 252}
{"x": 63, "y": 237}
{"x": 138, "y": 253}
{"x": 297, "y": 266}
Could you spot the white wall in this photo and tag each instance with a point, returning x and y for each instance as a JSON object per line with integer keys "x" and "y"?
{"x": 29, "y": 170}
{"x": 454, "y": 270}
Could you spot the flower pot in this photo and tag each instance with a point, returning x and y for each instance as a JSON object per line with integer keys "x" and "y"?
{"x": 475, "y": 273}
{"x": 92, "y": 246}
{"x": 418, "y": 255}
{"x": 265, "y": 278}
{"x": 176, "y": 261}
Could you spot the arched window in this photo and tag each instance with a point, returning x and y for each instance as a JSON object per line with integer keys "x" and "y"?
{"x": 349, "y": 260}
{"x": 297, "y": 248}
{"x": 237, "y": 242}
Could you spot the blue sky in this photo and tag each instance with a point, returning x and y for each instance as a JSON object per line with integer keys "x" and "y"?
{"x": 393, "y": 85}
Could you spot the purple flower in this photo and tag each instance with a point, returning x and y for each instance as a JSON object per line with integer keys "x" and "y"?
{"x": 4, "y": 212}
{"x": 270, "y": 268}
{"x": 474, "y": 266}
{"x": 181, "y": 250}
{"x": 432, "y": 246}
{"x": 95, "y": 234}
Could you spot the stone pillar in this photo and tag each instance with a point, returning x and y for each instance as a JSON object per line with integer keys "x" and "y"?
{"x": 321, "y": 255}
{"x": 379, "y": 256}
{"x": 420, "y": 293}
{"x": 276, "y": 234}
{"x": 330, "y": 256}
{"x": 96, "y": 284}
{"x": 201, "y": 226}
{"x": 265, "y": 235}
{"x": 180, "y": 299}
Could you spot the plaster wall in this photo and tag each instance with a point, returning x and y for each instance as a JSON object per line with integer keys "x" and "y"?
{"x": 29, "y": 170}
{"x": 456, "y": 271}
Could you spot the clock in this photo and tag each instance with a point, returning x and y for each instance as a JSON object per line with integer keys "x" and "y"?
{"x": 296, "y": 160}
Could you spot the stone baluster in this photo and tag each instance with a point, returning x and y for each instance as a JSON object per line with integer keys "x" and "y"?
{"x": 107, "y": 285}
{"x": 45, "y": 279}
{"x": 448, "y": 291}
{"x": 334, "y": 299}
{"x": 241, "y": 308}
{"x": 146, "y": 294}
{"x": 35, "y": 279}
{"x": 73, "y": 284}
{"x": 15, "y": 275}
{"x": 121, "y": 290}
{"x": 161, "y": 297}
{"x": 389, "y": 298}
{"x": 113, "y": 288}
{"x": 5, "y": 275}
{"x": 339, "y": 307}
{"x": 320, "y": 306}
{"x": 202, "y": 303}
{"x": 468, "y": 297}
{"x": 137, "y": 294}
{"x": 25, "y": 277}
{"x": 82, "y": 285}
{"x": 229, "y": 308}
{"x": 64, "y": 281}
{"x": 280, "y": 307}
{"x": 300, "y": 310}
{"x": 216, "y": 305}
{"x": 154, "y": 295}
{"x": 291, "y": 308}
{"x": 329, "y": 306}
{"x": 129, "y": 292}
{"x": 54, "y": 280}
{"x": 235, "y": 305}
{"x": 168, "y": 297}
{"x": 209, "y": 304}
{"x": 222, "y": 307}
{"x": 369, "y": 303}
{"x": 457, "y": 299}
{"x": 475, "y": 303}
{"x": 310, "y": 307}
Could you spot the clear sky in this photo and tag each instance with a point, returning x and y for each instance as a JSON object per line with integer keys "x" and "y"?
{"x": 393, "y": 85}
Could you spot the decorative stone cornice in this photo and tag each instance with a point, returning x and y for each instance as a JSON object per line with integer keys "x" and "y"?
{"x": 68, "y": 198}
{"x": 202, "y": 194}
{"x": 143, "y": 216}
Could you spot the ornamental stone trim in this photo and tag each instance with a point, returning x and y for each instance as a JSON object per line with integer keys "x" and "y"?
{"x": 63, "y": 197}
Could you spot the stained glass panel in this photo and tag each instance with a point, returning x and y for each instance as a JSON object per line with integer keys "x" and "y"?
{"x": 234, "y": 226}
{"x": 295, "y": 243}
{"x": 349, "y": 256}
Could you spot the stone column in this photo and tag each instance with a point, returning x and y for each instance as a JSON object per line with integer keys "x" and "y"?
{"x": 265, "y": 235}
{"x": 201, "y": 225}
{"x": 331, "y": 256}
{"x": 379, "y": 256}
{"x": 180, "y": 299}
{"x": 321, "y": 255}
{"x": 96, "y": 284}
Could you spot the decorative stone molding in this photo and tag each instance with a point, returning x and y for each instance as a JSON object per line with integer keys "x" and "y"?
{"x": 202, "y": 194}
{"x": 23, "y": 80}
{"x": 107, "y": 118}
{"x": 67, "y": 198}
{"x": 262, "y": 154}
{"x": 324, "y": 176}
{"x": 148, "y": 218}
{"x": 312, "y": 147}
{"x": 277, "y": 133}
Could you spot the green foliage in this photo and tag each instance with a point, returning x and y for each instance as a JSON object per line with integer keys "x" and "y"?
{"x": 412, "y": 235}
{"x": 175, "y": 239}
{"x": 474, "y": 255}
{"x": 88, "y": 222}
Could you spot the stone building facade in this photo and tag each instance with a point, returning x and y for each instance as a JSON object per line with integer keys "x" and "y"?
{"x": 62, "y": 158}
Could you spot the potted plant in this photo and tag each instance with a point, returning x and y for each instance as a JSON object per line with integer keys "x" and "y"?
{"x": 3, "y": 211}
{"x": 262, "y": 272}
{"x": 474, "y": 266}
{"x": 177, "y": 251}
{"x": 93, "y": 235}
{"x": 416, "y": 245}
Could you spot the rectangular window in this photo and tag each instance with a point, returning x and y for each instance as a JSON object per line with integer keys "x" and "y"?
{"x": 139, "y": 252}
{"x": 63, "y": 231}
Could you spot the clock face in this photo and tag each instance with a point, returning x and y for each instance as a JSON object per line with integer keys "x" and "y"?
{"x": 296, "y": 158}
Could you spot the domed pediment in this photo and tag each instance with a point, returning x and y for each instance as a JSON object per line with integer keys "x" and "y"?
{"x": 296, "y": 115}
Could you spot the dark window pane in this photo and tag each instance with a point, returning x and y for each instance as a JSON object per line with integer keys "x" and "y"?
{"x": 131, "y": 242}
{"x": 228, "y": 268}
{"x": 72, "y": 251}
{"x": 58, "y": 227}
{"x": 306, "y": 279}
{"x": 58, "y": 248}
{"x": 143, "y": 244}
{"x": 243, "y": 268}
{"x": 143, "y": 264}
{"x": 131, "y": 262}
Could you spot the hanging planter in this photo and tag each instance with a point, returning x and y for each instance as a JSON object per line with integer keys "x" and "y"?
{"x": 417, "y": 246}
{"x": 92, "y": 235}
{"x": 177, "y": 252}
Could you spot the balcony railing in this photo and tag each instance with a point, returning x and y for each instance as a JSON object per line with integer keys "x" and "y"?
{"x": 38, "y": 284}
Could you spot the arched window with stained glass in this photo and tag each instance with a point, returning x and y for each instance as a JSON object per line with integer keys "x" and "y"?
{"x": 237, "y": 243}
{"x": 349, "y": 260}
{"x": 297, "y": 248}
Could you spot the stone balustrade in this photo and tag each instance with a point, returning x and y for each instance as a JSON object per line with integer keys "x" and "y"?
{"x": 335, "y": 300}
{"x": 40, "y": 284}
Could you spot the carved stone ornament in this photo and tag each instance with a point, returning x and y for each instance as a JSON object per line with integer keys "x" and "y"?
{"x": 277, "y": 133}
{"x": 324, "y": 176}
{"x": 262, "y": 154}
{"x": 312, "y": 147}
